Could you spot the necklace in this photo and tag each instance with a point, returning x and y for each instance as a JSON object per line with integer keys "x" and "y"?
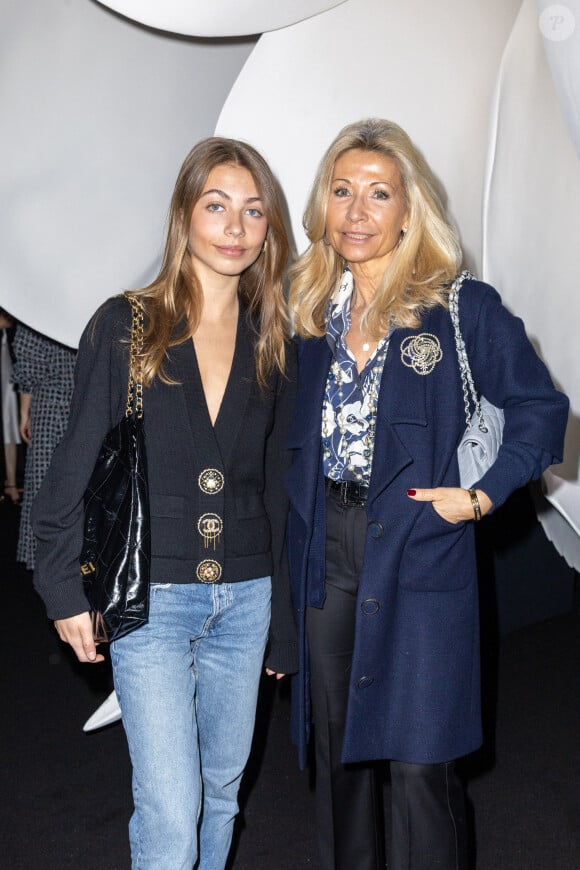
{"x": 355, "y": 319}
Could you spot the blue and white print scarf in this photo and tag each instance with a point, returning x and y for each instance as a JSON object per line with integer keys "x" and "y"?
{"x": 350, "y": 398}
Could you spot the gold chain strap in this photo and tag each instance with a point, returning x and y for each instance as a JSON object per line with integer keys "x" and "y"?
{"x": 135, "y": 388}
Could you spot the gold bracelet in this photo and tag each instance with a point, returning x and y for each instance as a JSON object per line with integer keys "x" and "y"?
{"x": 475, "y": 505}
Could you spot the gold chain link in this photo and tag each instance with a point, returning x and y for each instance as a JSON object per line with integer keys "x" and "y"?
{"x": 135, "y": 388}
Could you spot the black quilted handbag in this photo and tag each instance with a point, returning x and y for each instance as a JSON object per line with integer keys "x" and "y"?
{"x": 116, "y": 548}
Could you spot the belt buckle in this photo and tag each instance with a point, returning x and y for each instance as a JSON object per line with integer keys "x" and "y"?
{"x": 348, "y": 493}
{"x": 349, "y": 496}
{"x": 343, "y": 493}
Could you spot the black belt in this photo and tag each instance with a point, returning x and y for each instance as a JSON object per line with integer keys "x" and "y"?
{"x": 347, "y": 492}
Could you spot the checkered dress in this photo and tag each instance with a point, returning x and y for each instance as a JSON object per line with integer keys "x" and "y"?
{"x": 45, "y": 369}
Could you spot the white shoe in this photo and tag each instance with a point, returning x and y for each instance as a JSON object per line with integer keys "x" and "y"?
{"x": 106, "y": 714}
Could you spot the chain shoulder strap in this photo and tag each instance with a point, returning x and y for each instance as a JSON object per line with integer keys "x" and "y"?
{"x": 467, "y": 383}
{"x": 135, "y": 385}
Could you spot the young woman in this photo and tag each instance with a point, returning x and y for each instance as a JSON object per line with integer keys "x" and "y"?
{"x": 219, "y": 383}
{"x": 381, "y": 536}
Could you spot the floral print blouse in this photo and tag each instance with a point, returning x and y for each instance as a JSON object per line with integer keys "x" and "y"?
{"x": 349, "y": 408}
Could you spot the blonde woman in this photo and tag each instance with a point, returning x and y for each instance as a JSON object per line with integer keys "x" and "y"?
{"x": 381, "y": 535}
{"x": 219, "y": 384}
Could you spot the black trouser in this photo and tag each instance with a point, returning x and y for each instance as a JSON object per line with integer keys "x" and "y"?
{"x": 428, "y": 805}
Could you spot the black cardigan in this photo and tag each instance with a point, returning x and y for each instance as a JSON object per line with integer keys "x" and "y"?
{"x": 246, "y": 445}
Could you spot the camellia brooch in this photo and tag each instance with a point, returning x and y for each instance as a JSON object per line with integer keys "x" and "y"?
{"x": 421, "y": 352}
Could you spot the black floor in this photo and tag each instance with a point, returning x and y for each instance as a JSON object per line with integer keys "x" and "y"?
{"x": 66, "y": 795}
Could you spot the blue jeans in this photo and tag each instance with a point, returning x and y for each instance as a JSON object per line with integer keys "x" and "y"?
{"x": 187, "y": 684}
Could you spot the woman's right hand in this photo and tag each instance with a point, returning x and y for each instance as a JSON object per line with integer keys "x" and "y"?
{"x": 78, "y": 632}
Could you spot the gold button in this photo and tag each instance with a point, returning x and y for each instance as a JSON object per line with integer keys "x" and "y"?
{"x": 210, "y": 481}
{"x": 210, "y": 527}
{"x": 209, "y": 571}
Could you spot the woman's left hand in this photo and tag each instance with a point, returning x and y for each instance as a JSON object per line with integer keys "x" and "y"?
{"x": 452, "y": 503}
{"x": 274, "y": 674}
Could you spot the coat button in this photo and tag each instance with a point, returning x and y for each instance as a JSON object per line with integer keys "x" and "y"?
{"x": 376, "y": 530}
{"x": 370, "y": 606}
{"x": 364, "y": 682}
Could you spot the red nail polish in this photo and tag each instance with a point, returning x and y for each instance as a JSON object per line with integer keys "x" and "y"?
{"x": 411, "y": 492}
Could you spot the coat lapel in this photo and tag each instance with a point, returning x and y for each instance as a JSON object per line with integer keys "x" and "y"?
{"x": 402, "y": 404}
{"x": 314, "y": 358}
{"x": 401, "y": 408}
{"x": 304, "y": 437}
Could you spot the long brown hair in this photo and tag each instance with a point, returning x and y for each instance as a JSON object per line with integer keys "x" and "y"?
{"x": 176, "y": 293}
{"x": 426, "y": 260}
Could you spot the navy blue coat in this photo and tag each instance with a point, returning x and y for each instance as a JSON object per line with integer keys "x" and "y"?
{"x": 415, "y": 683}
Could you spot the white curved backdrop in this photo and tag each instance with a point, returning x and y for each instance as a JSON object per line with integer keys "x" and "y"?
{"x": 415, "y": 63}
{"x": 97, "y": 116}
{"x": 220, "y": 17}
{"x": 560, "y": 27}
{"x": 532, "y": 213}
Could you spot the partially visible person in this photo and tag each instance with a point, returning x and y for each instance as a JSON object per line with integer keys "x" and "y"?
{"x": 10, "y": 429}
{"x": 219, "y": 382}
{"x": 381, "y": 535}
{"x": 43, "y": 374}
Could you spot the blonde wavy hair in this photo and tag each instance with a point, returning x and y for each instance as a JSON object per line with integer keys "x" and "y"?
{"x": 176, "y": 293}
{"x": 426, "y": 260}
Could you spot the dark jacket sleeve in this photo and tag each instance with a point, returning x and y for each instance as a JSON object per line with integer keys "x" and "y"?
{"x": 508, "y": 372}
{"x": 282, "y": 655}
{"x": 58, "y": 510}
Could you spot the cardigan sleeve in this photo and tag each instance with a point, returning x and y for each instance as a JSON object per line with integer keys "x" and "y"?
{"x": 282, "y": 655}
{"x": 508, "y": 372}
{"x": 58, "y": 510}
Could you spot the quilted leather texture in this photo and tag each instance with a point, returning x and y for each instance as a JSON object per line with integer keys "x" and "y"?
{"x": 478, "y": 450}
{"x": 116, "y": 551}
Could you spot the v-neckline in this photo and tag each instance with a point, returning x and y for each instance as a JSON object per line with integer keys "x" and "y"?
{"x": 218, "y": 439}
{"x": 228, "y": 386}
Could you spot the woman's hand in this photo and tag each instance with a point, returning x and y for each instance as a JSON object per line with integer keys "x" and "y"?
{"x": 78, "y": 632}
{"x": 25, "y": 425}
{"x": 452, "y": 503}
{"x": 272, "y": 673}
